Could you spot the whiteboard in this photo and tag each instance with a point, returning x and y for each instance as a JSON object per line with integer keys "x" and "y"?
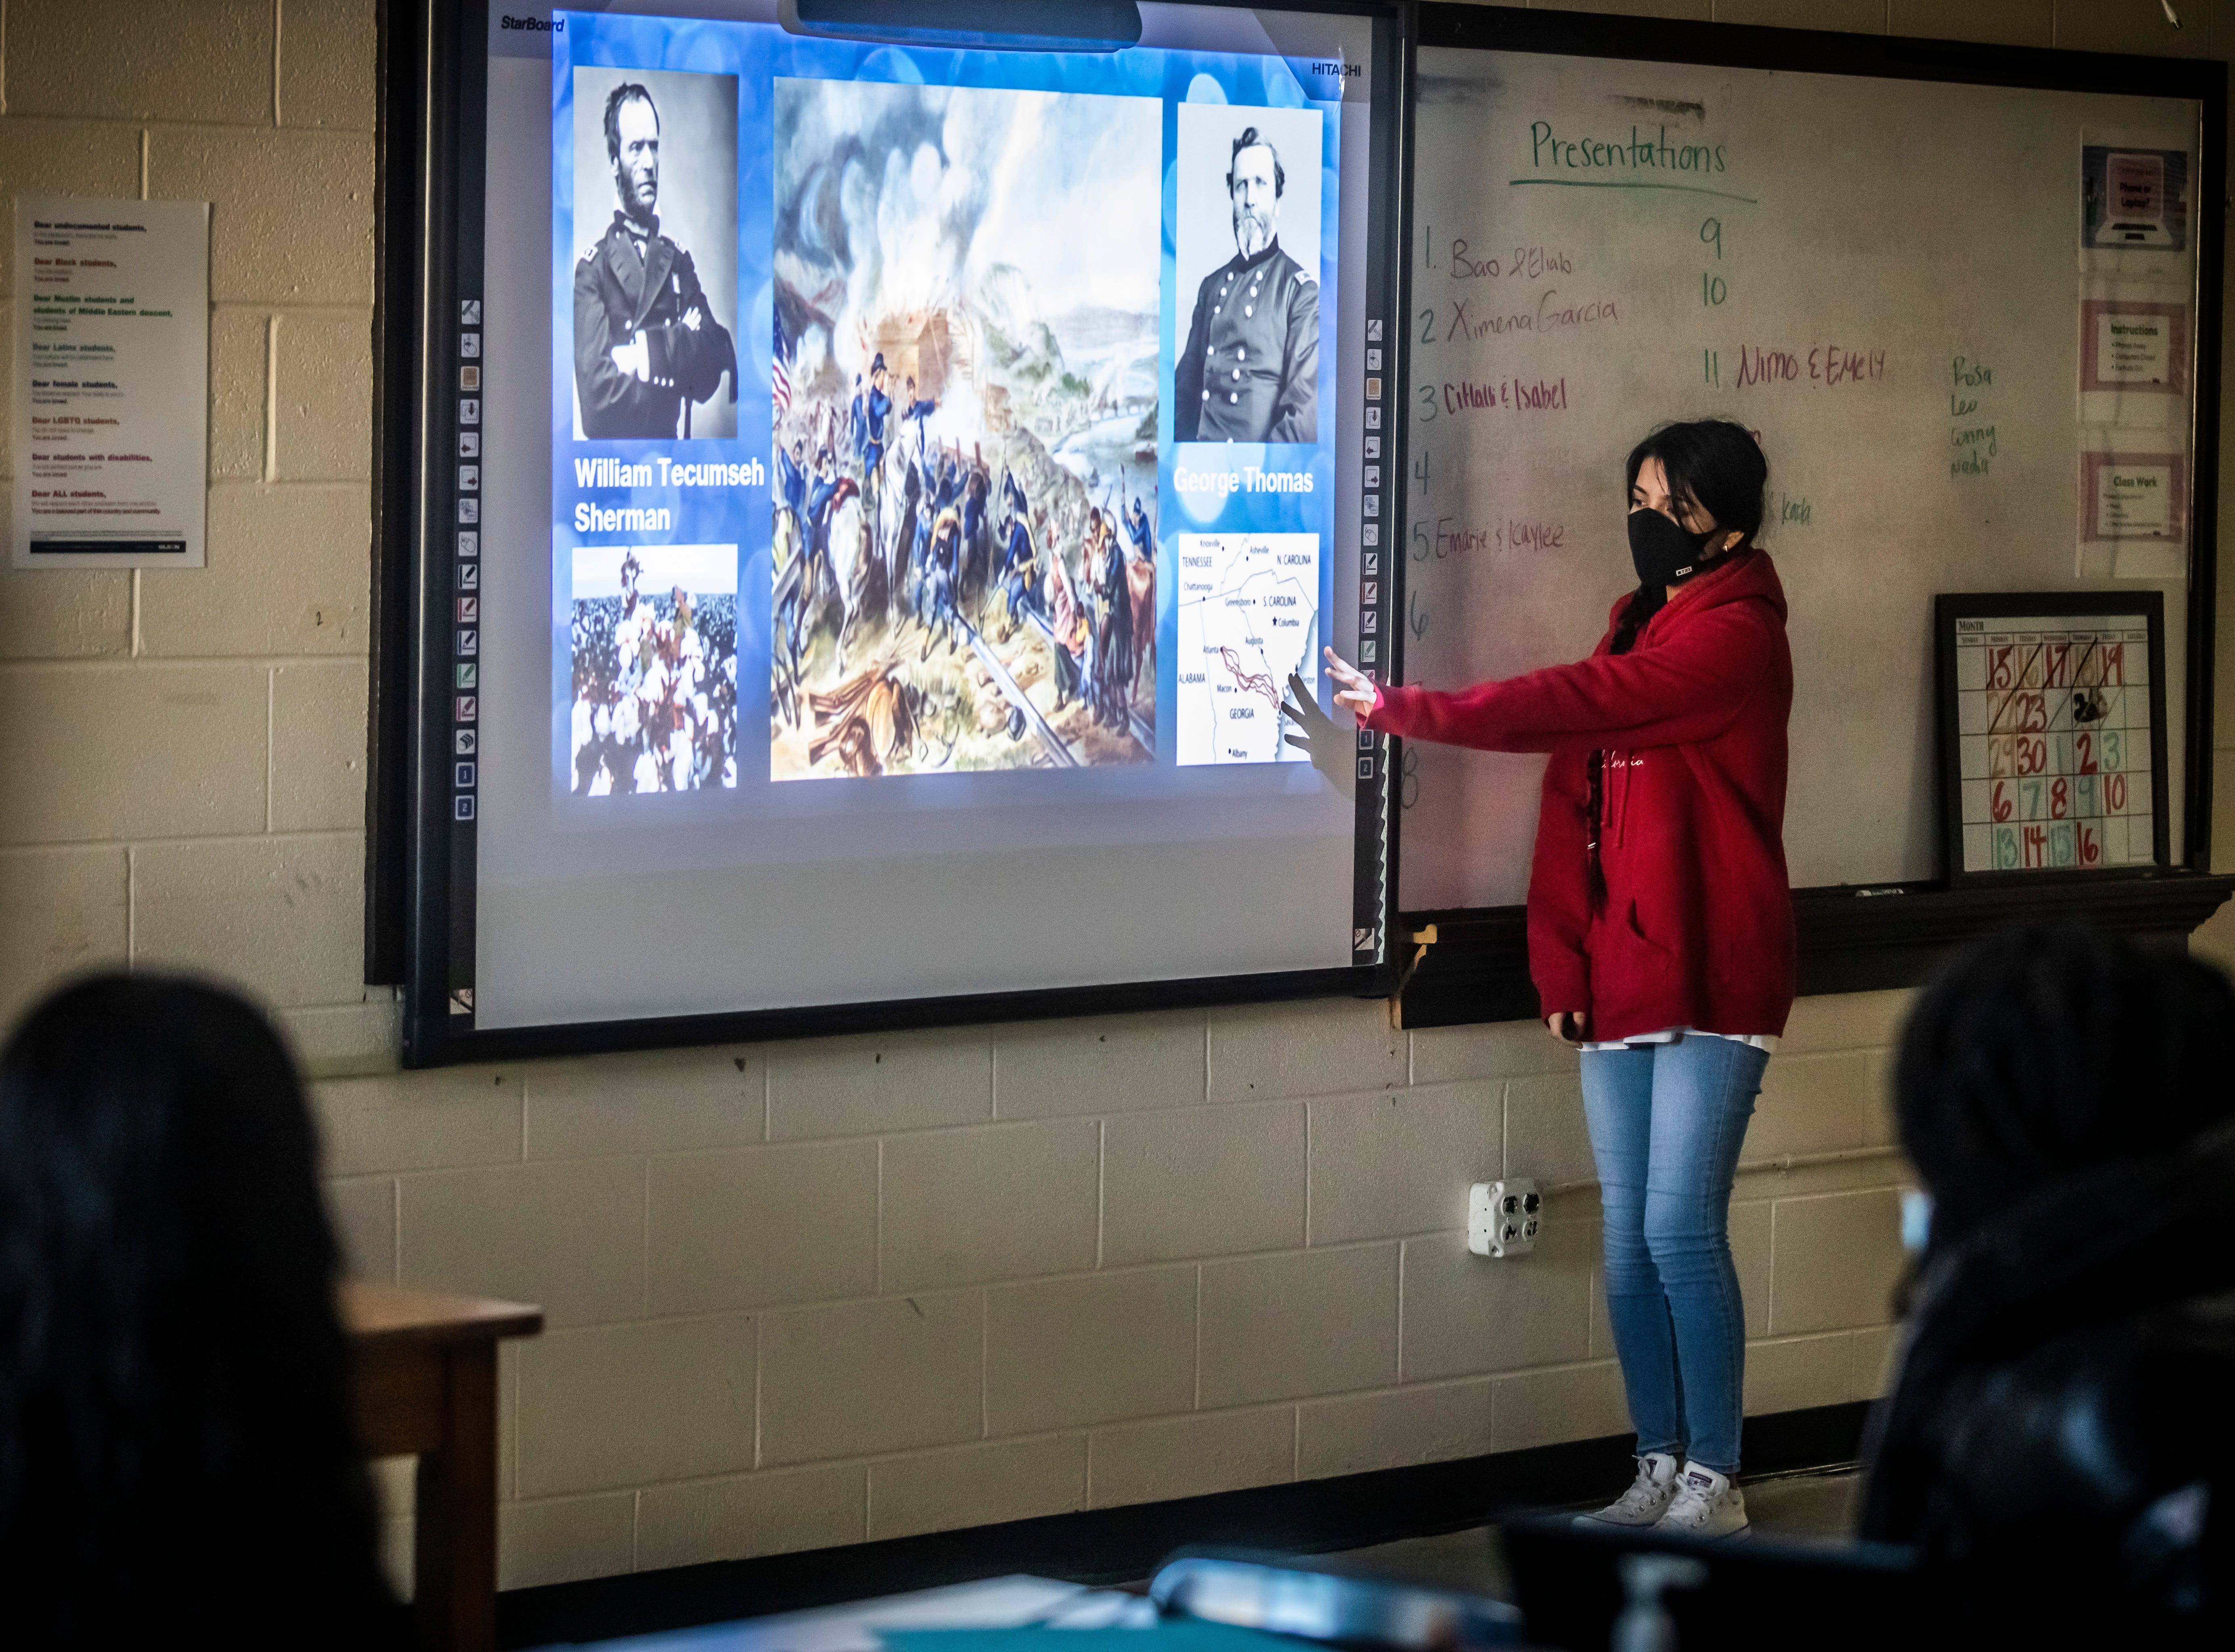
{"x": 1840, "y": 264}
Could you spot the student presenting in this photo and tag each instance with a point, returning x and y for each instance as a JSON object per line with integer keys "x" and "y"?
{"x": 1659, "y": 926}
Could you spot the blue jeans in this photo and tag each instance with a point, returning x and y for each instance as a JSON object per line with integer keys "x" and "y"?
{"x": 1666, "y": 1121}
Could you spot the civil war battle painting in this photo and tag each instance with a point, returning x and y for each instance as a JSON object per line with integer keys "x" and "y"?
{"x": 966, "y": 385}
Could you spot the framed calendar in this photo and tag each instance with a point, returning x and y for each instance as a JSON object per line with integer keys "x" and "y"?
{"x": 2052, "y": 735}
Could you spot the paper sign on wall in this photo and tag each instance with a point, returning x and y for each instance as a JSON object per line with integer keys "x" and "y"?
{"x": 110, "y": 439}
{"x": 2133, "y": 199}
{"x": 2134, "y": 351}
{"x": 2135, "y": 503}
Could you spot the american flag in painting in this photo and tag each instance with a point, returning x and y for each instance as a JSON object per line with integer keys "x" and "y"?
{"x": 779, "y": 380}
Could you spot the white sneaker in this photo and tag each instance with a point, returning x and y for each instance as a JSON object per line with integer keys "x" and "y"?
{"x": 1648, "y": 1495}
{"x": 1706, "y": 1504}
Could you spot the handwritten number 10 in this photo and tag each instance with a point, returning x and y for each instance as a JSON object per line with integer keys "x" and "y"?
{"x": 1712, "y": 290}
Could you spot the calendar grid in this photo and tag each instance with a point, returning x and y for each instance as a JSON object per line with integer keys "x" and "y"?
{"x": 2054, "y": 743}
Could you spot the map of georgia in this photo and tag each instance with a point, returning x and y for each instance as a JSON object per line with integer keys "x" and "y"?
{"x": 1249, "y": 616}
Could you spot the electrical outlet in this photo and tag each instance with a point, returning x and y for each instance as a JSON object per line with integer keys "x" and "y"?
{"x": 1504, "y": 1218}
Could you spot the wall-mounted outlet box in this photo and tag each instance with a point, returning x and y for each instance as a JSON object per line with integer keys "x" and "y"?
{"x": 1502, "y": 1217}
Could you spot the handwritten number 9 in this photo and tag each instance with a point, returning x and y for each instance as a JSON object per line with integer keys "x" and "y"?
{"x": 1711, "y": 234}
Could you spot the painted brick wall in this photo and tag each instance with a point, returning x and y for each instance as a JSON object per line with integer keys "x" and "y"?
{"x": 859, "y": 1288}
{"x": 818, "y": 1293}
{"x": 185, "y": 751}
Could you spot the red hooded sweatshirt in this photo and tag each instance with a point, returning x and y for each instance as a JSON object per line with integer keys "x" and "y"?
{"x": 1696, "y": 928}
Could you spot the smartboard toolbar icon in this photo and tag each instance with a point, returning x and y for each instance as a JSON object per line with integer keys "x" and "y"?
{"x": 469, "y": 312}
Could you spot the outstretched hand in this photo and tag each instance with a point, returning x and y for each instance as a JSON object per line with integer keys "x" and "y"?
{"x": 1354, "y": 689}
{"x": 1314, "y": 733}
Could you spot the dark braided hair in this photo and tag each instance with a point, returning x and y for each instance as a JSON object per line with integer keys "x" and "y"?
{"x": 2049, "y": 1048}
{"x": 176, "y": 1460}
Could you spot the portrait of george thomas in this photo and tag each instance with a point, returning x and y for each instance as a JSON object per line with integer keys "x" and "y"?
{"x": 1249, "y": 372}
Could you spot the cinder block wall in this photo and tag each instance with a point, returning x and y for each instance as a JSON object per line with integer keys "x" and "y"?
{"x": 810, "y": 1293}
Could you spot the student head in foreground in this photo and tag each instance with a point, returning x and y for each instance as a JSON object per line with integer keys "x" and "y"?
{"x": 2057, "y": 1440}
{"x": 177, "y": 1466}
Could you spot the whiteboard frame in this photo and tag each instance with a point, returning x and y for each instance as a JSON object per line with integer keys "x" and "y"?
{"x": 420, "y": 859}
{"x": 1470, "y": 964}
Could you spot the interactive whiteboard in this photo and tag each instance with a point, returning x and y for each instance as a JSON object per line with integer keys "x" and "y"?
{"x": 879, "y": 482}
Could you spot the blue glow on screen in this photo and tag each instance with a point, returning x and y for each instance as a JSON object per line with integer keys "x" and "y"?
{"x": 731, "y": 454}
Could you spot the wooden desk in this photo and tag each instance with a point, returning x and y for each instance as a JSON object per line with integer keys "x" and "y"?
{"x": 423, "y": 1383}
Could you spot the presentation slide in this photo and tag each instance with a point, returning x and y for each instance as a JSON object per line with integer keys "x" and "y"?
{"x": 908, "y": 483}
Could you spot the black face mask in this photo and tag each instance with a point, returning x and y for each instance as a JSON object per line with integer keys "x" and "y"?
{"x": 1663, "y": 552}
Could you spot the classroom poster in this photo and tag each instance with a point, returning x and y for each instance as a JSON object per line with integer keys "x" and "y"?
{"x": 2136, "y": 339}
{"x": 2133, "y": 503}
{"x": 111, "y": 438}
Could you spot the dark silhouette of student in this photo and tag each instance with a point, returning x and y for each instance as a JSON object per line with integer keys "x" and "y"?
{"x": 2056, "y": 1444}
{"x": 177, "y": 1467}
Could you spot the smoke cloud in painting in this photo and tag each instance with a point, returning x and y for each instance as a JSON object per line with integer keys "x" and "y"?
{"x": 966, "y": 298}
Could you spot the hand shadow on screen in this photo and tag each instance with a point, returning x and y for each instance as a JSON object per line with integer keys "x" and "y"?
{"x": 1314, "y": 733}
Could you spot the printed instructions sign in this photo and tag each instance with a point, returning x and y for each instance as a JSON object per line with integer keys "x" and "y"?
{"x": 111, "y": 394}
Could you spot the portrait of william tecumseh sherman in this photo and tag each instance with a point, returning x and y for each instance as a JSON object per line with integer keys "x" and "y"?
{"x": 647, "y": 344}
{"x": 1250, "y": 371}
